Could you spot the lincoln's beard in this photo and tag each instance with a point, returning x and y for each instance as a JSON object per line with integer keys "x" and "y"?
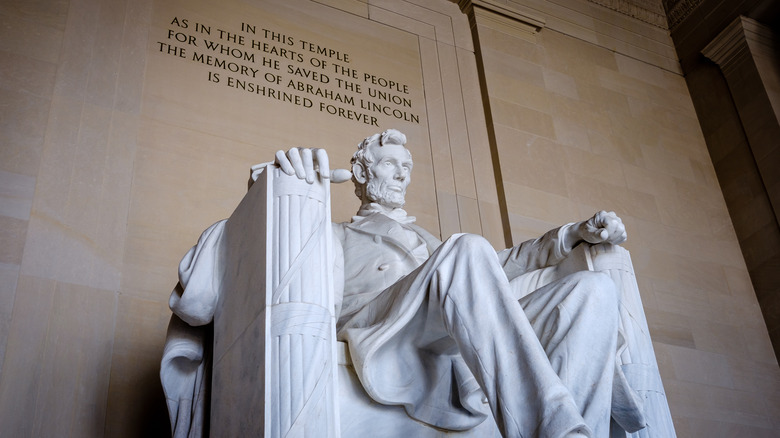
{"x": 376, "y": 192}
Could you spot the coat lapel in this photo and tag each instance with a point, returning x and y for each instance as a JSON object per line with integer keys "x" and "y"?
{"x": 382, "y": 227}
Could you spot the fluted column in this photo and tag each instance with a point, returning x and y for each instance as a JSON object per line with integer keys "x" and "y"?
{"x": 274, "y": 355}
{"x": 747, "y": 53}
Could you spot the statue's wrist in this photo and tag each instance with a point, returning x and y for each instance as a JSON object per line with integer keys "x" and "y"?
{"x": 574, "y": 235}
{"x": 570, "y": 237}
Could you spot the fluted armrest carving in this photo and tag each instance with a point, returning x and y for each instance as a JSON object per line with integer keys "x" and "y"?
{"x": 635, "y": 355}
{"x": 274, "y": 368}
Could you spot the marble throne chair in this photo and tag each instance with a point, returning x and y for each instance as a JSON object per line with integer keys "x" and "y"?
{"x": 274, "y": 367}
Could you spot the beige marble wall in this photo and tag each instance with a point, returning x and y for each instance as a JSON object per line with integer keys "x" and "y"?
{"x": 114, "y": 155}
{"x": 581, "y": 128}
{"x": 72, "y": 74}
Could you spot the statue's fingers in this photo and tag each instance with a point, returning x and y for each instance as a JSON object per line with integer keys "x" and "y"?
{"x": 323, "y": 162}
{"x": 619, "y": 231}
{"x": 603, "y": 234}
{"x": 593, "y": 223}
{"x": 597, "y": 221}
{"x": 295, "y": 159}
{"x": 308, "y": 165}
{"x": 619, "y": 238}
{"x": 284, "y": 163}
{"x": 612, "y": 225}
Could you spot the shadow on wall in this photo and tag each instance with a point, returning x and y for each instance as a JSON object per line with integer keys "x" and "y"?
{"x": 151, "y": 416}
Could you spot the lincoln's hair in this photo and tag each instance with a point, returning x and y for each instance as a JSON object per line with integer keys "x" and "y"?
{"x": 363, "y": 155}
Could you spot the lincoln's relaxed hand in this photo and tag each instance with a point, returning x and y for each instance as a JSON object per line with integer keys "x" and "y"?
{"x": 305, "y": 163}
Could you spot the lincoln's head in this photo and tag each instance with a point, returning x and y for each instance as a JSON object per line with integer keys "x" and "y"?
{"x": 381, "y": 169}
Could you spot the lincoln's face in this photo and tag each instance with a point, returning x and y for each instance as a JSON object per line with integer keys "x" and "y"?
{"x": 389, "y": 175}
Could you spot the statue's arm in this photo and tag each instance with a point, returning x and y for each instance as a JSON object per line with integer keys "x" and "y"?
{"x": 533, "y": 254}
{"x": 184, "y": 363}
{"x": 194, "y": 299}
{"x": 555, "y": 245}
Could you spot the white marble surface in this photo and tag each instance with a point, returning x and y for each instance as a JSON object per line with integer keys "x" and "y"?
{"x": 439, "y": 330}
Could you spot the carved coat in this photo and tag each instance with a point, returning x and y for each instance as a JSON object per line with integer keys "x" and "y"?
{"x": 378, "y": 251}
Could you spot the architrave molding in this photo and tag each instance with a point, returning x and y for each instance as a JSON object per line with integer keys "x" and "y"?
{"x": 647, "y": 11}
{"x": 678, "y": 10}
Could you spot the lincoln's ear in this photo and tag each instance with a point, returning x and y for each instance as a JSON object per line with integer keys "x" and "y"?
{"x": 359, "y": 173}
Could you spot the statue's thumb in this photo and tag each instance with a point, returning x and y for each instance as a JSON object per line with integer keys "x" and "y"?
{"x": 340, "y": 175}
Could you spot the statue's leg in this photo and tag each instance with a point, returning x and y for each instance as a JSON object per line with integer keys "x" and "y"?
{"x": 471, "y": 292}
{"x": 576, "y": 320}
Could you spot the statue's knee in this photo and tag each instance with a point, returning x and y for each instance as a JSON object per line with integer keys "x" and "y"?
{"x": 472, "y": 243}
{"x": 597, "y": 287}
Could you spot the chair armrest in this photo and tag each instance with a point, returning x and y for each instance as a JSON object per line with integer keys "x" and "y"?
{"x": 579, "y": 259}
{"x": 636, "y": 357}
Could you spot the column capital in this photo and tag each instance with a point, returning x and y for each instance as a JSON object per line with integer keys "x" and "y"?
{"x": 743, "y": 37}
{"x": 501, "y": 16}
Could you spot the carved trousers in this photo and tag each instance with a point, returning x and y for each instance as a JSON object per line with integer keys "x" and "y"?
{"x": 545, "y": 363}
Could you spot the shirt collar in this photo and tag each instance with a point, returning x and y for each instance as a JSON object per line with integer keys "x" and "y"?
{"x": 397, "y": 214}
